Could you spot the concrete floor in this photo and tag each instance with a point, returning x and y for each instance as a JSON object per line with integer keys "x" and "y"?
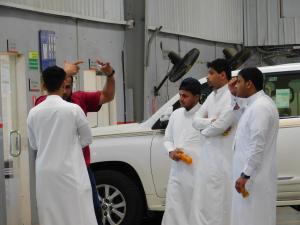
{"x": 285, "y": 216}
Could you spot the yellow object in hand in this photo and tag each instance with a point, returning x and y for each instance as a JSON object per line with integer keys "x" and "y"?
{"x": 186, "y": 158}
{"x": 244, "y": 193}
{"x": 227, "y": 132}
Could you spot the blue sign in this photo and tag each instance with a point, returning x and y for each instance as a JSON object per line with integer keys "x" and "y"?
{"x": 47, "y": 49}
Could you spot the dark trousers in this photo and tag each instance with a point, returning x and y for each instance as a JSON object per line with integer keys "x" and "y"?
{"x": 96, "y": 201}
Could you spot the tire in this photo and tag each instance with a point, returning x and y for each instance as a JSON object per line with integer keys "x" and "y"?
{"x": 121, "y": 199}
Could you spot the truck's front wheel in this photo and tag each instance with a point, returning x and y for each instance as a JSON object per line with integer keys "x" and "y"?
{"x": 120, "y": 198}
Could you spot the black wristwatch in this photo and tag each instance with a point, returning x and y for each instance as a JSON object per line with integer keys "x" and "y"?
{"x": 245, "y": 176}
{"x": 112, "y": 73}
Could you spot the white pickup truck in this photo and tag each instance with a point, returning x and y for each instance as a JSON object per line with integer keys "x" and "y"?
{"x": 132, "y": 167}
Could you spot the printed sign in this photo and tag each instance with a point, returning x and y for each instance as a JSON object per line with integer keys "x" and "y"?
{"x": 282, "y": 98}
{"x": 33, "y": 60}
{"x": 11, "y": 45}
{"x": 47, "y": 48}
{"x": 34, "y": 85}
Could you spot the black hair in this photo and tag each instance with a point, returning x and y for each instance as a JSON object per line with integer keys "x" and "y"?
{"x": 220, "y": 65}
{"x": 53, "y": 78}
{"x": 192, "y": 85}
{"x": 253, "y": 74}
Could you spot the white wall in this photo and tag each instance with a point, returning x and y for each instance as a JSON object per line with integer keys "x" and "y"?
{"x": 215, "y": 20}
{"x": 110, "y": 10}
{"x": 265, "y": 23}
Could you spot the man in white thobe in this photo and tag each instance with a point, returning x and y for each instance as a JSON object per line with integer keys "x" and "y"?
{"x": 181, "y": 136}
{"x": 212, "y": 194}
{"x": 254, "y": 161}
{"x": 58, "y": 130}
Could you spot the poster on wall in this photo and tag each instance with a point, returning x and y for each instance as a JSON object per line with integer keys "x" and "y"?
{"x": 47, "y": 49}
{"x": 33, "y": 59}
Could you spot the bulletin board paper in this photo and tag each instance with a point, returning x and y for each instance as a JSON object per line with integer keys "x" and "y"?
{"x": 5, "y": 79}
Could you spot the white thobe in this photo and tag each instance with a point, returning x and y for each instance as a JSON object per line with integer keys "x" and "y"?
{"x": 212, "y": 195}
{"x": 255, "y": 155}
{"x": 180, "y": 134}
{"x": 58, "y": 130}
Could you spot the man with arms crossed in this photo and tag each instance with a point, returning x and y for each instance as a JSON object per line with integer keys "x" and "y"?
{"x": 212, "y": 194}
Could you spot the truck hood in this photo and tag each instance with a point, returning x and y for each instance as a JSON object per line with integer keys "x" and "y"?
{"x": 120, "y": 129}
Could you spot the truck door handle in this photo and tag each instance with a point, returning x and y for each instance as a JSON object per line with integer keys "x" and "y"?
{"x": 285, "y": 178}
{"x": 17, "y": 143}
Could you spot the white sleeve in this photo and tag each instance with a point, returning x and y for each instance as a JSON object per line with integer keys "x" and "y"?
{"x": 200, "y": 120}
{"x": 168, "y": 139}
{"x": 258, "y": 125}
{"x": 221, "y": 124}
{"x": 83, "y": 128}
{"x": 30, "y": 132}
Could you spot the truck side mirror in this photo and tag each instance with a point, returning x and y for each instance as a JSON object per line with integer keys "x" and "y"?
{"x": 164, "y": 118}
{"x": 166, "y": 115}
{"x": 163, "y": 121}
